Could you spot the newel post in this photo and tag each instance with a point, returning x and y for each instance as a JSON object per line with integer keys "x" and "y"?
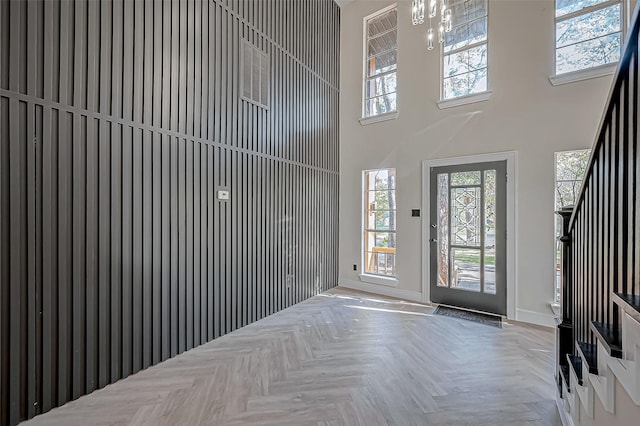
{"x": 564, "y": 333}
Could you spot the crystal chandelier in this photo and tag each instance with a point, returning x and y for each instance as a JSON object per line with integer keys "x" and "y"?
{"x": 444, "y": 24}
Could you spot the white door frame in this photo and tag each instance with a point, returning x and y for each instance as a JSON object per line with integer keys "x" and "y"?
{"x": 511, "y": 159}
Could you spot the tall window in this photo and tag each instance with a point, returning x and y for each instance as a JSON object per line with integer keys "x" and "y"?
{"x": 464, "y": 52}
{"x": 588, "y": 33}
{"x": 380, "y": 222}
{"x": 570, "y": 169}
{"x": 381, "y": 53}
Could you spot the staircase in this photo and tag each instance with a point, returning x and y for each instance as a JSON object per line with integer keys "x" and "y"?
{"x": 602, "y": 369}
{"x": 598, "y": 334}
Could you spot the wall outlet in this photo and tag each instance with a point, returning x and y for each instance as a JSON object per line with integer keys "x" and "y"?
{"x": 223, "y": 194}
{"x": 355, "y": 267}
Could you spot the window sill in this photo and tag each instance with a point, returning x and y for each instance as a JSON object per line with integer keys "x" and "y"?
{"x": 572, "y": 77}
{"x": 464, "y": 100}
{"x": 375, "y": 279}
{"x": 378, "y": 118}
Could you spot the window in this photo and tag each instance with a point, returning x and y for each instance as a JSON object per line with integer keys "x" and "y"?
{"x": 381, "y": 53}
{"x": 380, "y": 222}
{"x": 255, "y": 75}
{"x": 570, "y": 169}
{"x": 588, "y": 33}
{"x": 464, "y": 51}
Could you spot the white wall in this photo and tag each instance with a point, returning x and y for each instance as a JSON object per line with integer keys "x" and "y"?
{"x": 525, "y": 114}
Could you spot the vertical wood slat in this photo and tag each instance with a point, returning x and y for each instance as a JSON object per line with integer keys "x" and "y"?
{"x": 189, "y": 242}
{"x": 4, "y": 222}
{"x": 203, "y": 236}
{"x": 635, "y": 241}
{"x": 34, "y": 352}
{"x": 126, "y": 341}
{"x": 115, "y": 201}
{"x": 182, "y": 276}
{"x": 137, "y": 255}
{"x": 127, "y": 247}
{"x": 65, "y": 255}
{"x": 173, "y": 150}
{"x": 194, "y": 246}
{"x": 147, "y": 247}
{"x": 15, "y": 173}
{"x": 166, "y": 331}
{"x": 103, "y": 210}
{"x": 156, "y": 245}
{"x": 147, "y": 190}
{"x": 116, "y": 323}
{"x": 138, "y": 259}
{"x": 174, "y": 277}
{"x": 79, "y": 206}
{"x": 165, "y": 334}
{"x": 4, "y": 250}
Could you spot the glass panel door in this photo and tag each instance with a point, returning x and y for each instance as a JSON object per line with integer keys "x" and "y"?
{"x": 468, "y": 238}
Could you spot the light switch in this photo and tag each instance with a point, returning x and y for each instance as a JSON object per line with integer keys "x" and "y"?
{"x": 223, "y": 194}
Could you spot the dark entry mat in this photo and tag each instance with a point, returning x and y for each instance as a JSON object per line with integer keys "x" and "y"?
{"x": 492, "y": 320}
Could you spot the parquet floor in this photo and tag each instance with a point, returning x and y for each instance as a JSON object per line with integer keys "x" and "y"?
{"x": 341, "y": 358}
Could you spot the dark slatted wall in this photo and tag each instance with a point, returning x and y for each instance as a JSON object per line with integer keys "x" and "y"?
{"x": 119, "y": 123}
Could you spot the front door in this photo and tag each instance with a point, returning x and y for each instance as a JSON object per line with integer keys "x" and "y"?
{"x": 468, "y": 236}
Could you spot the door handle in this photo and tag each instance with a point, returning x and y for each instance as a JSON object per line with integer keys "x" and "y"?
{"x": 433, "y": 240}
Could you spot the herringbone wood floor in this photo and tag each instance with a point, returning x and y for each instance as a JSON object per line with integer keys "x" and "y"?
{"x": 342, "y": 358}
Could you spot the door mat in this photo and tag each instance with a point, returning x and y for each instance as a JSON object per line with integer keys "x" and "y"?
{"x": 492, "y": 320}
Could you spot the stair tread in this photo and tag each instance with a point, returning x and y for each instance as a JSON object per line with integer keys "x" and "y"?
{"x": 611, "y": 339}
{"x": 589, "y": 356}
{"x": 630, "y": 303}
{"x": 575, "y": 362}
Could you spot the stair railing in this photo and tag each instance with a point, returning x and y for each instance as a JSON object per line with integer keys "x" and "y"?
{"x": 601, "y": 236}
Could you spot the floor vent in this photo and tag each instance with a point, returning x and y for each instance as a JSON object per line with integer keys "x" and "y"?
{"x": 487, "y": 319}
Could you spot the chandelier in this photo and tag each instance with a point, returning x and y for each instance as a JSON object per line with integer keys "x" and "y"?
{"x": 444, "y": 25}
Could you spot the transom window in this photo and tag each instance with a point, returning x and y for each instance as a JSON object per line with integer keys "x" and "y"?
{"x": 379, "y": 222}
{"x": 588, "y": 33}
{"x": 465, "y": 48}
{"x": 381, "y": 54}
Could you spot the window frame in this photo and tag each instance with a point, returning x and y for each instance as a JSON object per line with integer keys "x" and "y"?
{"x": 557, "y": 286}
{"x": 592, "y": 71}
{"x": 471, "y": 97}
{"x": 377, "y": 278}
{"x": 369, "y": 119}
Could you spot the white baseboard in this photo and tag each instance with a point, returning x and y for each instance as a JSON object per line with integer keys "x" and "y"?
{"x": 523, "y": 315}
{"x": 564, "y": 416}
{"x": 414, "y": 296}
{"x": 532, "y": 317}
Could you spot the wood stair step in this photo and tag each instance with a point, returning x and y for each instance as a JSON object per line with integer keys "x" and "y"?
{"x": 629, "y": 303}
{"x": 589, "y": 355}
{"x": 611, "y": 339}
{"x": 575, "y": 362}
